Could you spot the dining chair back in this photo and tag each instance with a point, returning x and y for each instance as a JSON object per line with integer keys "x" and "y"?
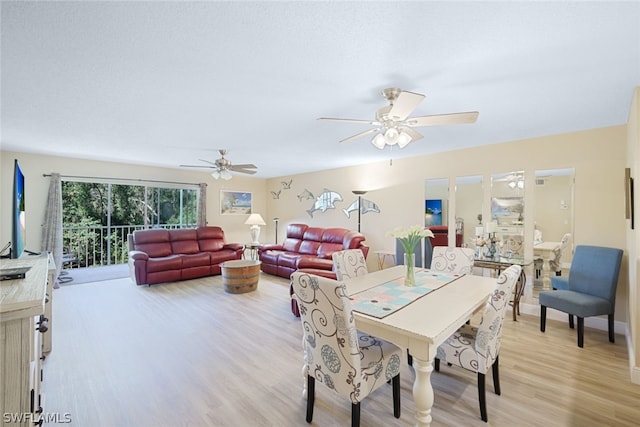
{"x": 590, "y": 288}
{"x": 477, "y": 348}
{"x": 348, "y": 362}
{"x": 349, "y": 263}
{"x": 555, "y": 262}
{"x": 452, "y": 259}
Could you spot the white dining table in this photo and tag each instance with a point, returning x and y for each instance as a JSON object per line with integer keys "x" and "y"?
{"x": 423, "y": 325}
{"x": 545, "y": 249}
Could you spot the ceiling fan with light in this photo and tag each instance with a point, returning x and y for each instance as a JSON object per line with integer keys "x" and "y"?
{"x": 223, "y": 167}
{"x": 392, "y": 124}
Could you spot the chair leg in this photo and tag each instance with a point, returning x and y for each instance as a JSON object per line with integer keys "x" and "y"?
{"x": 436, "y": 364}
{"x": 311, "y": 382}
{"x": 355, "y": 414}
{"x": 496, "y": 376}
{"x": 580, "y": 331}
{"x": 481, "y": 397}
{"x": 571, "y": 321}
{"x": 612, "y": 337}
{"x": 543, "y": 317}
{"x": 395, "y": 381}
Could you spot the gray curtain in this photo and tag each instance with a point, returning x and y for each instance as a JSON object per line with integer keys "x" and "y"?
{"x": 52, "y": 229}
{"x": 202, "y": 205}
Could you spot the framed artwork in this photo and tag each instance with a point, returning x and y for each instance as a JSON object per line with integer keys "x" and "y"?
{"x": 432, "y": 212}
{"x": 629, "y": 196}
{"x": 509, "y": 208}
{"x": 235, "y": 202}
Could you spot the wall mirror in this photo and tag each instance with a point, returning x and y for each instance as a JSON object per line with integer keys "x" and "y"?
{"x": 554, "y": 203}
{"x": 507, "y": 213}
{"x": 469, "y": 196}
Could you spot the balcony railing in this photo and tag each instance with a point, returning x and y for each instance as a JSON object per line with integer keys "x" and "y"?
{"x": 92, "y": 246}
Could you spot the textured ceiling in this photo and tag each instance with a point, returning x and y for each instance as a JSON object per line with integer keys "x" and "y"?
{"x": 166, "y": 83}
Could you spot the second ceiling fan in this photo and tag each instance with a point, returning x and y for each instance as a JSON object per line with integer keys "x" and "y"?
{"x": 393, "y": 124}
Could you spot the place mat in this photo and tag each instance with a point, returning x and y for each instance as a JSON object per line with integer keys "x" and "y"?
{"x": 389, "y": 297}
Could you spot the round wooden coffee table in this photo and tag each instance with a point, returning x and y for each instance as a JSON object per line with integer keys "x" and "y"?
{"x": 240, "y": 276}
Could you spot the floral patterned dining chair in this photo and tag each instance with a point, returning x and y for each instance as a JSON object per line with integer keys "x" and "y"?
{"x": 349, "y": 263}
{"x": 452, "y": 259}
{"x": 348, "y": 362}
{"x": 477, "y": 349}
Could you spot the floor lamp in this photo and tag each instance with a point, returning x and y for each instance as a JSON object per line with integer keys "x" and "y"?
{"x": 359, "y": 193}
{"x": 276, "y": 219}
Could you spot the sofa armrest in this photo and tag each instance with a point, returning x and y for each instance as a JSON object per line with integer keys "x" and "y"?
{"x": 233, "y": 246}
{"x": 138, "y": 255}
{"x": 269, "y": 247}
{"x": 365, "y": 249}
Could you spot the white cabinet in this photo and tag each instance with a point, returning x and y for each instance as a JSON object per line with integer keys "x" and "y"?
{"x": 23, "y": 304}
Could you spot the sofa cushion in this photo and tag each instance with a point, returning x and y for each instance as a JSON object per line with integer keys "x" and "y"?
{"x": 172, "y": 262}
{"x": 291, "y": 244}
{"x": 210, "y": 239}
{"x": 184, "y": 241}
{"x": 156, "y": 243}
{"x": 270, "y": 257}
{"x": 325, "y": 250}
{"x": 309, "y": 247}
{"x": 196, "y": 260}
{"x": 334, "y": 235}
{"x": 289, "y": 259}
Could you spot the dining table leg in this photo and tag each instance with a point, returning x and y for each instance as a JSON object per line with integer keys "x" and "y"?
{"x": 423, "y": 391}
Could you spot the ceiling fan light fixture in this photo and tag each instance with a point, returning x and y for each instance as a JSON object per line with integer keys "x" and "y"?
{"x": 391, "y": 135}
{"x": 379, "y": 141}
{"x": 403, "y": 139}
{"x": 215, "y": 174}
{"x": 225, "y": 175}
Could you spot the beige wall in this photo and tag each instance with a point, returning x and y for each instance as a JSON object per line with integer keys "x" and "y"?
{"x": 633, "y": 237}
{"x": 598, "y": 157}
{"x": 34, "y": 166}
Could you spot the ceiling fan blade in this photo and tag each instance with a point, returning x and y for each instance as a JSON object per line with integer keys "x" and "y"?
{"x": 361, "y": 134}
{"x": 412, "y": 133}
{"x": 364, "y": 122}
{"x": 207, "y": 161}
{"x": 404, "y": 105}
{"x": 444, "y": 119}
{"x": 240, "y": 170}
{"x": 196, "y": 166}
{"x": 245, "y": 166}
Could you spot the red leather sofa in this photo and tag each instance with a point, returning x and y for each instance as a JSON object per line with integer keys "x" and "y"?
{"x": 159, "y": 255}
{"x": 309, "y": 248}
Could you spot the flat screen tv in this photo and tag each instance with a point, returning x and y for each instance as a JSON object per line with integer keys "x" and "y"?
{"x": 18, "y": 230}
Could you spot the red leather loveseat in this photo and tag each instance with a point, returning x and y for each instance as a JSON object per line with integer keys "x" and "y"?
{"x": 159, "y": 255}
{"x": 309, "y": 248}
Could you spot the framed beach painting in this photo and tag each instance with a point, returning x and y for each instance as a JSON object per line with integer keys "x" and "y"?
{"x": 235, "y": 202}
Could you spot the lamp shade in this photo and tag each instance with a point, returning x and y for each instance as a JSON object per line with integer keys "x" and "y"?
{"x": 255, "y": 219}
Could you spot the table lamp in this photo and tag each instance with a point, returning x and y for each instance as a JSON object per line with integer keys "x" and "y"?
{"x": 255, "y": 221}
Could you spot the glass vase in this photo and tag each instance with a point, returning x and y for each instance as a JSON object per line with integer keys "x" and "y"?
{"x": 409, "y": 269}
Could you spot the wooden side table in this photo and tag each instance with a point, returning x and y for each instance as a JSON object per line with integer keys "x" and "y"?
{"x": 382, "y": 256}
{"x": 252, "y": 248}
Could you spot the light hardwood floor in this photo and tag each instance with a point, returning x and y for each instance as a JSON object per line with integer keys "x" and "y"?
{"x": 189, "y": 354}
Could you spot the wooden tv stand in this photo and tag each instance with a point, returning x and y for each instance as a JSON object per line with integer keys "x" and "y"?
{"x": 25, "y": 335}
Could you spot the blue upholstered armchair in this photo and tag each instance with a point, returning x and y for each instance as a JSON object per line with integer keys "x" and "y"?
{"x": 590, "y": 289}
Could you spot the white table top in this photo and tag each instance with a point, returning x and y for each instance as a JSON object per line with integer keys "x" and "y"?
{"x": 431, "y": 319}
